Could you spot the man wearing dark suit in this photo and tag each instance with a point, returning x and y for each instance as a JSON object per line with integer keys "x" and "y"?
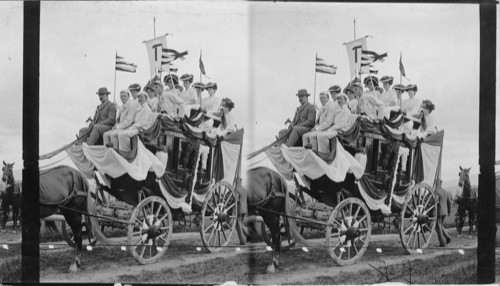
{"x": 104, "y": 118}
{"x": 303, "y": 121}
{"x": 444, "y": 208}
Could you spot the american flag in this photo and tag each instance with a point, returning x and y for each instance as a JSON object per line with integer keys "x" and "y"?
{"x": 169, "y": 55}
{"x": 123, "y": 65}
{"x": 323, "y": 67}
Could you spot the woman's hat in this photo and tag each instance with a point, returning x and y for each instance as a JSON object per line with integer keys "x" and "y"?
{"x": 211, "y": 85}
{"x": 134, "y": 86}
{"x": 172, "y": 76}
{"x": 348, "y": 88}
{"x": 371, "y": 78}
{"x": 302, "y": 92}
{"x": 103, "y": 90}
{"x": 186, "y": 77}
{"x": 386, "y": 79}
{"x": 399, "y": 87}
{"x": 335, "y": 88}
{"x": 198, "y": 85}
{"x": 411, "y": 87}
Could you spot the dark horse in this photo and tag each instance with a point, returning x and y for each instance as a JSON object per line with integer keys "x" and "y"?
{"x": 11, "y": 197}
{"x": 267, "y": 192}
{"x": 66, "y": 190}
{"x": 467, "y": 202}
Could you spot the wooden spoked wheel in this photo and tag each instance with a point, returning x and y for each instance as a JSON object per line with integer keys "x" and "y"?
{"x": 150, "y": 230}
{"x": 87, "y": 236}
{"x": 418, "y": 218}
{"x": 219, "y": 216}
{"x": 349, "y": 232}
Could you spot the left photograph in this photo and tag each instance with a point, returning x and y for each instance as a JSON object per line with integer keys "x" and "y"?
{"x": 142, "y": 130}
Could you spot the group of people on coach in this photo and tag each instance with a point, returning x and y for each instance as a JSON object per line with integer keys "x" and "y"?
{"x": 316, "y": 125}
{"x": 140, "y": 108}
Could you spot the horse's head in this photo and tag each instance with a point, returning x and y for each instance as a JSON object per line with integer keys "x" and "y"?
{"x": 463, "y": 176}
{"x": 8, "y": 173}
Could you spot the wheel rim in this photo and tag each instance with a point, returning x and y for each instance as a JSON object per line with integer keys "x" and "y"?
{"x": 349, "y": 236}
{"x": 150, "y": 230}
{"x": 418, "y": 219}
{"x": 219, "y": 216}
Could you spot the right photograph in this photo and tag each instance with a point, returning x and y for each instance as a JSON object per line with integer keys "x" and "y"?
{"x": 364, "y": 141}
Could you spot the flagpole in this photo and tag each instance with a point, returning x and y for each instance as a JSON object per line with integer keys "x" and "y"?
{"x": 114, "y": 89}
{"x": 200, "y": 69}
{"x": 154, "y": 27}
{"x": 354, "y": 28}
{"x": 314, "y": 94}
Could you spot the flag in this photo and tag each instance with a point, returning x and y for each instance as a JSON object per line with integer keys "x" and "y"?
{"x": 202, "y": 68}
{"x": 401, "y": 67}
{"x": 354, "y": 49}
{"x": 169, "y": 55}
{"x": 169, "y": 68}
{"x": 323, "y": 67}
{"x": 368, "y": 57}
{"x": 123, "y": 65}
{"x": 155, "y": 50}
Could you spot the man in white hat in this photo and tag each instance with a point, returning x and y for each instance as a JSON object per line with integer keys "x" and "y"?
{"x": 142, "y": 121}
{"x": 303, "y": 121}
{"x": 324, "y": 121}
{"x": 340, "y": 123}
{"x": 126, "y": 117}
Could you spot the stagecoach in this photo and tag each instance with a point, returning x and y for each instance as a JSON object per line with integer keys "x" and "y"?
{"x": 374, "y": 174}
{"x": 144, "y": 191}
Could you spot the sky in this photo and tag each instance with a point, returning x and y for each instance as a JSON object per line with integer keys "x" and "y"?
{"x": 260, "y": 55}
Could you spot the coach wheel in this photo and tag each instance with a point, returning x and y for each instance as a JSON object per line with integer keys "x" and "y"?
{"x": 418, "y": 219}
{"x": 219, "y": 216}
{"x": 349, "y": 232}
{"x": 150, "y": 230}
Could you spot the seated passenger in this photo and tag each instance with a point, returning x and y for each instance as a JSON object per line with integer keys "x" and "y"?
{"x": 428, "y": 125}
{"x": 104, "y": 118}
{"x": 324, "y": 121}
{"x": 303, "y": 121}
{"x": 126, "y": 116}
{"x": 189, "y": 94}
{"x": 369, "y": 104}
{"x": 142, "y": 121}
{"x": 170, "y": 100}
{"x": 153, "y": 99}
{"x": 210, "y": 105}
{"x": 411, "y": 107}
{"x": 353, "y": 100}
{"x": 339, "y": 124}
{"x": 227, "y": 124}
{"x": 199, "y": 87}
{"x": 388, "y": 95}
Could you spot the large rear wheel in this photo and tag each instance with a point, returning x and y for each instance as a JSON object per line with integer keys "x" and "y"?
{"x": 418, "y": 219}
{"x": 219, "y": 216}
{"x": 349, "y": 232}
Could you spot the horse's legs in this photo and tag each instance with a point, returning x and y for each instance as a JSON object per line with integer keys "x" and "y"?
{"x": 273, "y": 223}
{"x": 460, "y": 218}
{"x": 75, "y": 222}
{"x": 5, "y": 211}
{"x": 472, "y": 217}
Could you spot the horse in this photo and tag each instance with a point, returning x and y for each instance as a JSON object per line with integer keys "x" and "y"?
{"x": 65, "y": 190}
{"x": 266, "y": 193}
{"x": 11, "y": 196}
{"x": 467, "y": 202}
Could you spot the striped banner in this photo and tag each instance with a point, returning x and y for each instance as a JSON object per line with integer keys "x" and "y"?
{"x": 122, "y": 65}
{"x": 323, "y": 67}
